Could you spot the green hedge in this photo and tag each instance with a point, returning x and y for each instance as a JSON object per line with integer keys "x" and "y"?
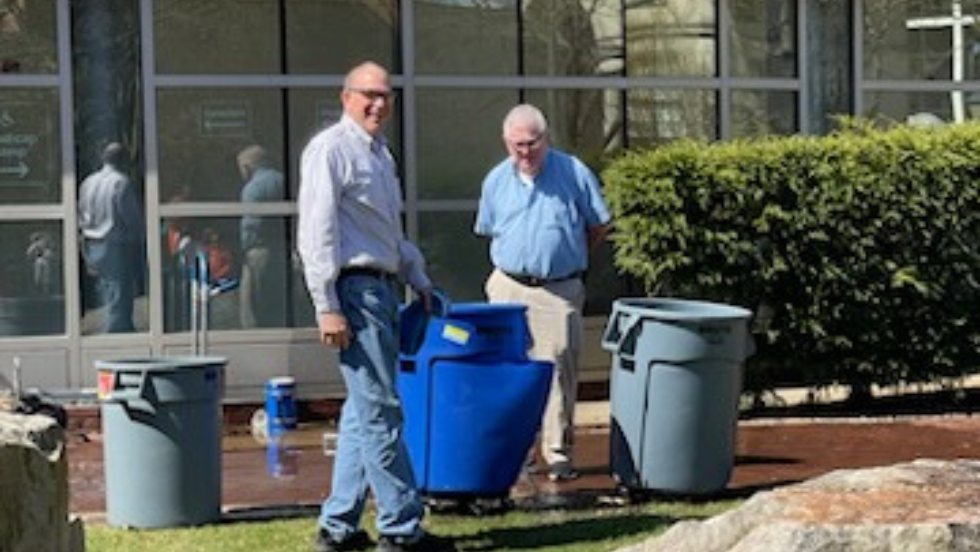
{"x": 859, "y": 251}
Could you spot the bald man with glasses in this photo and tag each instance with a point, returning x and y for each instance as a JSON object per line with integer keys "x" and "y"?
{"x": 355, "y": 255}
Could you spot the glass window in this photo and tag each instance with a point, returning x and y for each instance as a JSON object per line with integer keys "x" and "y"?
{"x": 671, "y": 38}
{"x": 331, "y": 37}
{"x": 763, "y": 38}
{"x": 201, "y": 133}
{"x": 913, "y": 39}
{"x": 231, "y": 36}
{"x": 466, "y": 37}
{"x": 587, "y": 123}
{"x": 573, "y": 38}
{"x": 457, "y": 260}
{"x": 658, "y": 116}
{"x": 32, "y": 291}
{"x": 453, "y": 158}
{"x": 757, "y": 113}
{"x": 254, "y": 273}
{"x": 30, "y": 152}
{"x": 830, "y": 43}
{"x": 28, "y": 37}
{"x": 923, "y": 108}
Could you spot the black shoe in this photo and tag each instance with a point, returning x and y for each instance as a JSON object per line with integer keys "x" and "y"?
{"x": 325, "y": 543}
{"x": 427, "y": 543}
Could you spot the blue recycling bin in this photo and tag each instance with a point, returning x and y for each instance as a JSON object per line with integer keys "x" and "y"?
{"x": 674, "y": 392}
{"x": 472, "y": 399}
{"x": 162, "y": 428}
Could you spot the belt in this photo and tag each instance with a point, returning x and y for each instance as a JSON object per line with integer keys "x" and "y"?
{"x": 534, "y": 281}
{"x": 366, "y": 271}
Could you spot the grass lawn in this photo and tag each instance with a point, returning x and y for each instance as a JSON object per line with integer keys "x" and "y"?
{"x": 588, "y": 530}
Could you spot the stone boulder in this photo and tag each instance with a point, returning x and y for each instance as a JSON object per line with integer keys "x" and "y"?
{"x": 34, "y": 487}
{"x": 923, "y": 506}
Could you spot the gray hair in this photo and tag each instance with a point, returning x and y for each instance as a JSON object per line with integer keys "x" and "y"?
{"x": 526, "y": 115}
{"x": 114, "y": 154}
{"x": 253, "y": 157}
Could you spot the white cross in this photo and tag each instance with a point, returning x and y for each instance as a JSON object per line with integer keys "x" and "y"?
{"x": 957, "y": 22}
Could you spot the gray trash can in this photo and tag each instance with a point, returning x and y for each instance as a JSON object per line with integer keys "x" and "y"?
{"x": 674, "y": 392}
{"x": 161, "y": 424}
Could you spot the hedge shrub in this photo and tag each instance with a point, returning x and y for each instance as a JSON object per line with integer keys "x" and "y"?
{"x": 859, "y": 251}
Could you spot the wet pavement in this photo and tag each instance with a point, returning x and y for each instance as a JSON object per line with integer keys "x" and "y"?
{"x": 770, "y": 453}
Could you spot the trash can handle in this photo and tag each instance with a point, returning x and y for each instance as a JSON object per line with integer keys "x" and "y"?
{"x": 620, "y": 328}
{"x": 129, "y": 393}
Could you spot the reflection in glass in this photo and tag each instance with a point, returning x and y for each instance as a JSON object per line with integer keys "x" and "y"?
{"x": 658, "y": 116}
{"x": 763, "y": 38}
{"x": 202, "y": 130}
{"x": 262, "y": 301}
{"x": 110, "y": 223}
{"x": 921, "y": 108}
{"x": 466, "y": 36}
{"x": 331, "y": 37}
{"x": 758, "y": 113}
{"x": 231, "y": 36}
{"x": 579, "y": 37}
{"x": 671, "y": 38}
{"x": 830, "y": 41}
{"x": 29, "y": 147}
{"x": 453, "y": 158}
{"x": 913, "y": 39}
{"x": 587, "y": 123}
{"x": 28, "y": 37}
{"x": 457, "y": 260}
{"x": 256, "y": 280}
{"x": 32, "y": 296}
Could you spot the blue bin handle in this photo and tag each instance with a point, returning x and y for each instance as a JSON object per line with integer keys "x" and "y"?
{"x": 128, "y": 393}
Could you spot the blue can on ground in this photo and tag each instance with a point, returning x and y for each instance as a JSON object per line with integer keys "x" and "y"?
{"x": 472, "y": 399}
{"x": 280, "y": 404}
{"x": 674, "y": 392}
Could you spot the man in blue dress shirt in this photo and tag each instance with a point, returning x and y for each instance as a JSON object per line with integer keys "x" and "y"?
{"x": 543, "y": 211}
{"x": 354, "y": 252}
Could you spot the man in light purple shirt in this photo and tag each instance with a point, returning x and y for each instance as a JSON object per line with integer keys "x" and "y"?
{"x": 354, "y": 253}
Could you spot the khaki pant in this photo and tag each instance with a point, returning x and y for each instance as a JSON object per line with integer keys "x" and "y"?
{"x": 554, "y": 314}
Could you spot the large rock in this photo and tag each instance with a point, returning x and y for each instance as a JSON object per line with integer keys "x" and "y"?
{"x": 34, "y": 487}
{"x": 922, "y": 506}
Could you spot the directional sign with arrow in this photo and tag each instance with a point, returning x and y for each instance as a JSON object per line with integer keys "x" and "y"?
{"x": 25, "y": 144}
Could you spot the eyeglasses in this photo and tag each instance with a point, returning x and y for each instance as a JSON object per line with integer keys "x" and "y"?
{"x": 531, "y": 144}
{"x": 374, "y": 95}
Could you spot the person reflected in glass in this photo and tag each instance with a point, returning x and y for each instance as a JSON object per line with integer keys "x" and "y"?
{"x": 354, "y": 254}
{"x": 111, "y": 226}
{"x": 543, "y": 212}
{"x": 262, "y": 294}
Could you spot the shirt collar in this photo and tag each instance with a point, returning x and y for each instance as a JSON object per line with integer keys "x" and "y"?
{"x": 371, "y": 142}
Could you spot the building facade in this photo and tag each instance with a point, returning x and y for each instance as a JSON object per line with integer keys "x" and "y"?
{"x": 189, "y": 87}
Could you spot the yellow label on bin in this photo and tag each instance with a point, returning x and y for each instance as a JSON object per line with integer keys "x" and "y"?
{"x": 455, "y": 334}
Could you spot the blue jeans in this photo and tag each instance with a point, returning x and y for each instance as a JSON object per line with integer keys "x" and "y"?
{"x": 371, "y": 453}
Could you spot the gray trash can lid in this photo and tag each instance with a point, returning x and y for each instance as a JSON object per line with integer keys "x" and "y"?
{"x": 159, "y": 364}
{"x": 680, "y": 309}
